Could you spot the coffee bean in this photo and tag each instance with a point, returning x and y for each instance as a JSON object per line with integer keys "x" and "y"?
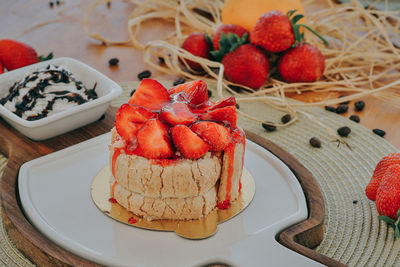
{"x": 144, "y": 74}
{"x": 286, "y": 118}
{"x": 51, "y": 4}
{"x": 330, "y": 108}
{"x": 113, "y": 62}
{"x": 379, "y": 132}
{"x": 209, "y": 93}
{"x": 315, "y": 142}
{"x": 355, "y": 202}
{"x": 269, "y": 127}
{"x": 178, "y": 81}
{"x": 161, "y": 60}
{"x": 344, "y": 131}
{"x": 342, "y": 108}
{"x": 57, "y": 3}
{"x": 359, "y": 105}
{"x": 108, "y": 4}
{"x": 355, "y": 118}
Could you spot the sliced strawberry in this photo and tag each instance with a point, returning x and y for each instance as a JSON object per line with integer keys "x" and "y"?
{"x": 177, "y": 113}
{"x": 216, "y": 135}
{"x": 194, "y": 92}
{"x": 226, "y": 115}
{"x": 188, "y": 143}
{"x": 130, "y": 119}
{"x": 154, "y": 140}
{"x": 229, "y": 101}
{"x": 150, "y": 94}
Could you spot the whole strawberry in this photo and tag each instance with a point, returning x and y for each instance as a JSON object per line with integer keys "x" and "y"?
{"x": 226, "y": 29}
{"x": 303, "y": 63}
{"x": 273, "y": 32}
{"x": 388, "y": 198}
{"x": 381, "y": 167}
{"x": 197, "y": 44}
{"x": 277, "y": 32}
{"x": 15, "y": 54}
{"x": 247, "y": 65}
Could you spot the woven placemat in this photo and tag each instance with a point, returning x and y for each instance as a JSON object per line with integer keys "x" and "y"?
{"x": 353, "y": 234}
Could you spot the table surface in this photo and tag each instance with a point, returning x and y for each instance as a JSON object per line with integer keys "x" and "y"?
{"x": 58, "y": 29}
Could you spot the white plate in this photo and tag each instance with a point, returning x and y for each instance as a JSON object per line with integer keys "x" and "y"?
{"x": 55, "y": 195}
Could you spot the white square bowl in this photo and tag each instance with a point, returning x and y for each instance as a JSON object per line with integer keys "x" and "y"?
{"x": 71, "y": 118}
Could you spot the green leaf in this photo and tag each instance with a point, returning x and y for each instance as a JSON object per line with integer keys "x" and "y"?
{"x": 386, "y": 219}
{"x": 397, "y": 231}
{"x": 44, "y": 58}
{"x": 223, "y": 41}
{"x": 290, "y": 13}
{"x": 217, "y": 55}
{"x": 209, "y": 41}
{"x": 297, "y": 36}
{"x": 296, "y": 18}
{"x": 245, "y": 38}
{"x": 398, "y": 214}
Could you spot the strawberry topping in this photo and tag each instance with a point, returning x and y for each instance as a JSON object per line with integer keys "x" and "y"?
{"x": 154, "y": 140}
{"x": 229, "y": 101}
{"x": 226, "y": 115}
{"x": 150, "y": 94}
{"x": 216, "y": 135}
{"x": 188, "y": 143}
{"x": 130, "y": 119}
{"x": 177, "y": 113}
{"x": 194, "y": 92}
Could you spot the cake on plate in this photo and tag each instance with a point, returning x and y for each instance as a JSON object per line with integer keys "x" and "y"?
{"x": 174, "y": 153}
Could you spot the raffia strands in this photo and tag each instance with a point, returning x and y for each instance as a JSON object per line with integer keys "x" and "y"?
{"x": 362, "y": 58}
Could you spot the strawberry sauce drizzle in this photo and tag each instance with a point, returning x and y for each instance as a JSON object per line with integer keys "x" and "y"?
{"x": 117, "y": 152}
{"x": 230, "y": 153}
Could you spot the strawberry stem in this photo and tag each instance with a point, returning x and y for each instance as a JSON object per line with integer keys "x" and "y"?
{"x": 314, "y": 32}
{"x": 395, "y": 224}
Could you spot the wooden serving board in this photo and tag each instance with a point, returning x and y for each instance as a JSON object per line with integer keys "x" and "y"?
{"x": 301, "y": 237}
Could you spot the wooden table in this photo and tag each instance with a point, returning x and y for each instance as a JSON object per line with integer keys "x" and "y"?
{"x": 64, "y": 36}
{"x": 58, "y": 29}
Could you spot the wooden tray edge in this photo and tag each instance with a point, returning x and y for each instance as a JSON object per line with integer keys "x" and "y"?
{"x": 308, "y": 234}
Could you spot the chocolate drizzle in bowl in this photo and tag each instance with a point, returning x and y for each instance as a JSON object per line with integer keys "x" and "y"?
{"x": 46, "y": 91}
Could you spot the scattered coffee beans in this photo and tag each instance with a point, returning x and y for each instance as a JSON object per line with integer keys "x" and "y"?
{"x": 355, "y": 118}
{"x": 268, "y": 127}
{"x": 113, "y": 62}
{"x": 359, "y": 105}
{"x": 286, "y": 118}
{"x": 144, "y": 74}
{"x": 330, "y": 108}
{"x": 315, "y": 142}
{"x": 379, "y": 132}
{"x": 344, "y": 131}
{"x": 342, "y": 108}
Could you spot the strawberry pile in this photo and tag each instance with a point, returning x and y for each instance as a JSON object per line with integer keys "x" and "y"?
{"x": 14, "y": 55}
{"x": 384, "y": 189}
{"x": 246, "y": 55}
{"x": 158, "y": 123}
